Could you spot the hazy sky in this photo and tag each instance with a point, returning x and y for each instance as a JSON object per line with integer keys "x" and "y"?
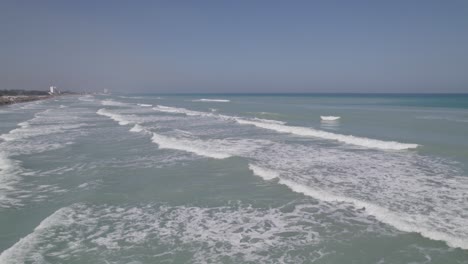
{"x": 235, "y": 46}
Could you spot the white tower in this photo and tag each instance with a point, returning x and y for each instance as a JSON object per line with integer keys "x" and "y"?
{"x": 53, "y": 90}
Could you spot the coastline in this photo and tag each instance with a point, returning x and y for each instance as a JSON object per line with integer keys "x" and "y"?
{"x": 8, "y": 100}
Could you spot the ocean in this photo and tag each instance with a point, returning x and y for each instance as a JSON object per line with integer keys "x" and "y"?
{"x": 219, "y": 178}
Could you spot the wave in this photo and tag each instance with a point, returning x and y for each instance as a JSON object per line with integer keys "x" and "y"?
{"x": 212, "y": 100}
{"x": 401, "y": 221}
{"x": 301, "y": 131}
{"x": 116, "y": 117}
{"x": 8, "y": 177}
{"x": 112, "y": 103}
{"x": 86, "y": 98}
{"x": 137, "y": 128}
{"x": 348, "y": 139}
{"x": 211, "y": 149}
{"x": 266, "y": 174}
{"x": 197, "y": 147}
{"x": 18, "y": 252}
{"x": 24, "y": 124}
{"x": 27, "y": 131}
{"x": 329, "y": 118}
{"x": 268, "y": 121}
{"x": 145, "y": 105}
{"x": 176, "y": 110}
{"x": 234, "y": 233}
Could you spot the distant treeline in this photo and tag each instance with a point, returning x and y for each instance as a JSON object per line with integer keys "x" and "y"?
{"x": 21, "y": 92}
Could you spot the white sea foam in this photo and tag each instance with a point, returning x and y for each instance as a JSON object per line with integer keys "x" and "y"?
{"x": 86, "y": 98}
{"x": 17, "y": 253}
{"x": 24, "y": 124}
{"x": 266, "y": 174}
{"x": 27, "y": 132}
{"x": 409, "y": 192}
{"x": 403, "y": 222}
{"x": 137, "y": 128}
{"x": 48, "y": 130}
{"x": 212, "y": 100}
{"x": 269, "y": 121}
{"x": 348, "y": 139}
{"x": 329, "y": 118}
{"x": 176, "y": 110}
{"x": 9, "y": 170}
{"x": 198, "y": 147}
{"x": 233, "y": 233}
{"x": 112, "y": 103}
{"x": 145, "y": 105}
{"x": 45, "y": 122}
{"x": 218, "y": 149}
{"x": 301, "y": 131}
{"x": 116, "y": 117}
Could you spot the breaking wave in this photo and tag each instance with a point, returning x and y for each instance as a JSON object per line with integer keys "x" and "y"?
{"x": 197, "y": 147}
{"x": 400, "y": 220}
{"x": 137, "y": 128}
{"x": 112, "y": 103}
{"x": 232, "y": 233}
{"x": 212, "y": 100}
{"x": 348, "y": 139}
{"x": 301, "y": 131}
{"x": 116, "y": 117}
{"x": 329, "y": 118}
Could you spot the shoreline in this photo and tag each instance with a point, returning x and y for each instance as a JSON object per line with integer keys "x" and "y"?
{"x": 8, "y": 100}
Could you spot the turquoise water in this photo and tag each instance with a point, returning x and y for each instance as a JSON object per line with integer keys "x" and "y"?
{"x": 235, "y": 179}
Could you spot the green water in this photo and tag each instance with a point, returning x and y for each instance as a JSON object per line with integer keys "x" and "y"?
{"x": 241, "y": 179}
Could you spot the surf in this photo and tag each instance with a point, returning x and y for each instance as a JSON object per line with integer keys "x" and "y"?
{"x": 401, "y": 221}
{"x": 212, "y": 100}
{"x": 279, "y": 126}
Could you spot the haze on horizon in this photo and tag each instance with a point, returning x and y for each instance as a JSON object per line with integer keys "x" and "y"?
{"x": 235, "y": 46}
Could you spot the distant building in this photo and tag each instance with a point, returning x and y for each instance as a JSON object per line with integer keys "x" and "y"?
{"x": 54, "y": 90}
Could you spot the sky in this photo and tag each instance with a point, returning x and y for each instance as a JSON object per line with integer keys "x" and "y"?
{"x": 235, "y": 46}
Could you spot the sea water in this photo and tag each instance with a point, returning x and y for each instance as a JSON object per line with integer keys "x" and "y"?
{"x": 235, "y": 179}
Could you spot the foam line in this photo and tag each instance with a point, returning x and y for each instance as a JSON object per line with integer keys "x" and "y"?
{"x": 348, "y": 139}
{"x": 164, "y": 142}
{"x": 266, "y": 174}
{"x": 116, "y": 117}
{"x": 112, "y": 103}
{"x": 400, "y": 221}
{"x": 300, "y": 131}
{"x": 212, "y": 100}
{"x": 196, "y": 147}
{"x": 176, "y": 110}
{"x": 137, "y": 128}
{"x": 18, "y": 252}
{"x": 329, "y": 118}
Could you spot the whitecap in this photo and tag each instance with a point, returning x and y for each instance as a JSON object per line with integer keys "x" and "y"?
{"x": 348, "y": 139}
{"x": 212, "y": 100}
{"x": 301, "y": 131}
{"x": 329, "y": 118}
{"x": 116, "y": 117}
{"x": 112, "y": 103}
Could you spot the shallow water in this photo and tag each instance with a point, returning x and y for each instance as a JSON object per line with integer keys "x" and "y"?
{"x": 235, "y": 179}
